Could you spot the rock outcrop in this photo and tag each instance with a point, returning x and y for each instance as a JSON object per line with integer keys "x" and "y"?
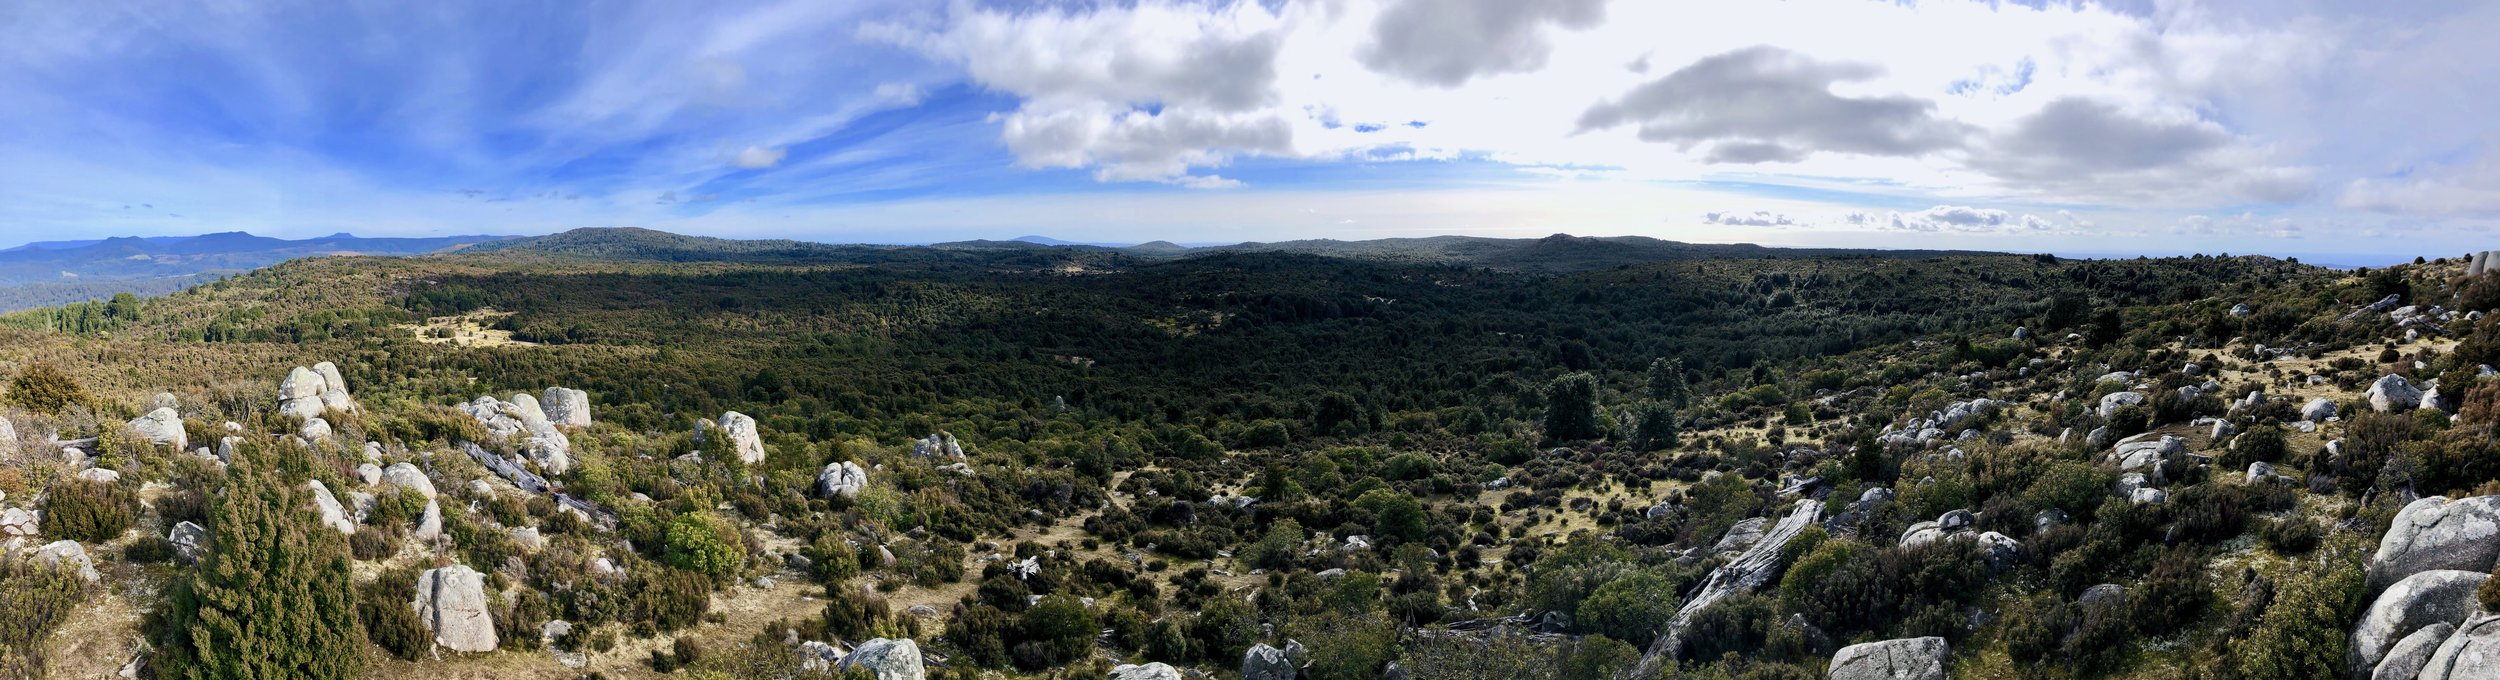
{"x": 2471, "y": 653}
{"x": 451, "y": 601}
{"x": 314, "y": 392}
{"x": 1263, "y": 662}
{"x": 522, "y": 423}
{"x": 887, "y": 659}
{"x": 844, "y": 479}
{"x": 161, "y": 426}
{"x": 2392, "y": 393}
{"x": 567, "y": 406}
{"x": 1907, "y": 659}
{"x": 940, "y": 445}
{"x": 2406, "y": 658}
{"x": 1748, "y": 572}
{"x": 737, "y": 432}
{"x": 2437, "y": 533}
{"x": 2430, "y": 597}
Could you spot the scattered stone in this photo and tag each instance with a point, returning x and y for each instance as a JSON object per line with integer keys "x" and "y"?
{"x": 430, "y": 523}
{"x": 1999, "y": 550}
{"x": 522, "y": 423}
{"x": 20, "y": 523}
{"x": 528, "y": 538}
{"x": 2106, "y": 592}
{"x": 99, "y": 476}
{"x": 190, "y": 541}
{"x": 369, "y": 473}
{"x": 314, "y": 430}
{"x": 2148, "y": 496}
{"x": 451, "y": 601}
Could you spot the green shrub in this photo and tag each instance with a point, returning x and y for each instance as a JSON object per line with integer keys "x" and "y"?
{"x": 88, "y": 512}
{"x": 33, "y": 601}
{"x": 703, "y": 544}
{"x": 2303, "y": 634}
{"x": 1057, "y": 630}
{"x": 389, "y": 622}
{"x": 1634, "y": 607}
{"x": 669, "y": 599}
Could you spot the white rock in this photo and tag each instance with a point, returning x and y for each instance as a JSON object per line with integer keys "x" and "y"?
{"x": 332, "y": 513}
{"x": 888, "y": 659}
{"x": 2470, "y": 653}
{"x": 162, "y": 426}
{"x": 567, "y": 407}
{"x": 2392, "y": 393}
{"x": 430, "y": 523}
{"x": 1152, "y": 671}
{"x": 742, "y": 436}
{"x": 369, "y": 473}
{"x": 2318, "y": 410}
{"x": 451, "y": 601}
{"x": 190, "y": 541}
{"x": 99, "y": 475}
{"x": 1909, "y": 659}
{"x": 2110, "y": 403}
{"x": 406, "y": 476}
{"x": 2437, "y": 533}
{"x": 315, "y": 430}
{"x": 844, "y": 479}
{"x": 70, "y": 556}
{"x": 2422, "y": 599}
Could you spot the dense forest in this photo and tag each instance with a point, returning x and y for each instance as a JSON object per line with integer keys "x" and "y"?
{"x": 1454, "y": 459}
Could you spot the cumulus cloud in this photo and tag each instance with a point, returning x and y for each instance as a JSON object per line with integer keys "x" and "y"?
{"x": 1145, "y": 92}
{"x": 1445, "y": 43}
{"x": 1758, "y": 218}
{"x": 758, "y": 158}
{"x": 1768, "y": 104}
{"x": 2472, "y": 190}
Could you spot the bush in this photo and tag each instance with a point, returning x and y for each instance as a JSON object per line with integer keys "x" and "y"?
{"x": 1634, "y": 607}
{"x": 700, "y": 543}
{"x": 669, "y": 599}
{"x": 383, "y": 607}
{"x": 2303, "y": 634}
{"x": 1057, "y": 630}
{"x": 33, "y": 601}
{"x": 88, "y": 512}
{"x": 373, "y": 544}
{"x": 43, "y": 387}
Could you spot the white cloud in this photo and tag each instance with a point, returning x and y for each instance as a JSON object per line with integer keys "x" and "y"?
{"x": 757, "y": 157}
{"x": 1766, "y": 104}
{"x": 1758, "y": 218}
{"x": 1961, "y": 219}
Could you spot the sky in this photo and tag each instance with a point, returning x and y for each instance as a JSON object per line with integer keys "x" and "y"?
{"x": 2290, "y": 127}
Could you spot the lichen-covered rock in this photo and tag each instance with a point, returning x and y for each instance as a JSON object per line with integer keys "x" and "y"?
{"x": 314, "y": 392}
{"x": 1266, "y": 663}
{"x": 1747, "y": 572}
{"x": 2437, "y": 533}
{"x": 430, "y": 522}
{"x": 2318, "y": 410}
{"x": 190, "y": 541}
{"x": 1999, "y": 550}
{"x": 2392, "y": 393}
{"x": 451, "y": 601}
{"x": 739, "y": 434}
{"x": 2148, "y": 451}
{"x": 100, "y": 476}
{"x": 2406, "y": 658}
{"x": 1742, "y": 536}
{"x": 314, "y": 430}
{"x": 20, "y": 523}
{"x": 333, "y": 515}
{"x": 567, "y": 406}
{"x": 888, "y": 659}
{"x": 522, "y": 423}
{"x": 1908, "y": 659}
{"x": 2148, "y": 496}
{"x": 68, "y": 556}
{"x": 162, "y": 426}
{"x": 2470, "y": 653}
{"x": 2435, "y": 596}
{"x": 370, "y": 474}
{"x": 408, "y": 477}
{"x": 940, "y": 445}
{"x": 844, "y": 479}
{"x": 2110, "y": 403}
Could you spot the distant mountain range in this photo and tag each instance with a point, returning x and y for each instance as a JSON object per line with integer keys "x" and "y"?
{"x": 1552, "y": 254}
{"x": 54, "y": 272}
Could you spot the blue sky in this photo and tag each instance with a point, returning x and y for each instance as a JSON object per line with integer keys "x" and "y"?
{"x": 2298, "y": 127}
